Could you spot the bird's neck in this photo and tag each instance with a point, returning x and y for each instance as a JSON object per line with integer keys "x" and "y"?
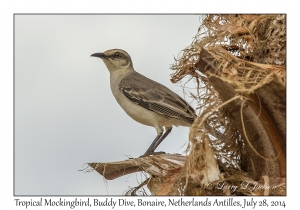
{"x": 117, "y": 76}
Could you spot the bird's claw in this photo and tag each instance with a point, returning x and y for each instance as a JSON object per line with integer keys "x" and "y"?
{"x": 159, "y": 153}
{"x": 154, "y": 153}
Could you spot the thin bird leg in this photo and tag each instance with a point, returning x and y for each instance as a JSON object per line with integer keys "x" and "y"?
{"x": 157, "y": 141}
{"x": 150, "y": 150}
{"x": 168, "y": 131}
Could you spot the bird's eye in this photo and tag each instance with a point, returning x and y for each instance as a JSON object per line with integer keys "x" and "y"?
{"x": 117, "y": 55}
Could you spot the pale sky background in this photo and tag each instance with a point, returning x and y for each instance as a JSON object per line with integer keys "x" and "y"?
{"x": 65, "y": 113}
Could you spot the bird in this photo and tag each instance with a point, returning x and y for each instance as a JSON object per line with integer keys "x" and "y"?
{"x": 144, "y": 100}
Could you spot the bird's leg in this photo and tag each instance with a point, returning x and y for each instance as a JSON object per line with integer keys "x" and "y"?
{"x": 159, "y": 138}
{"x": 150, "y": 150}
{"x": 168, "y": 131}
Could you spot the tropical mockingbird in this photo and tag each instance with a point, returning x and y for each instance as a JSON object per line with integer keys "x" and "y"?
{"x": 144, "y": 100}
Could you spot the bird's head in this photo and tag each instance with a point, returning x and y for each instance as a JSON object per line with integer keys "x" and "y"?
{"x": 115, "y": 59}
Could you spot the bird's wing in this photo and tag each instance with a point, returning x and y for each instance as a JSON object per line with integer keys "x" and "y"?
{"x": 156, "y": 97}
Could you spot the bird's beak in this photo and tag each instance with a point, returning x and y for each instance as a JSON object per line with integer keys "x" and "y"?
{"x": 99, "y": 55}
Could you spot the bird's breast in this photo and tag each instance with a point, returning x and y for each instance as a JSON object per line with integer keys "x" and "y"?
{"x": 135, "y": 111}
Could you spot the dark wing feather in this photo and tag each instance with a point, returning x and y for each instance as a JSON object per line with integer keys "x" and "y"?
{"x": 156, "y": 97}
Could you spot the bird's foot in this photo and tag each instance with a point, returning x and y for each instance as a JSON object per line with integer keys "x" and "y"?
{"x": 153, "y": 153}
{"x": 143, "y": 156}
{"x": 159, "y": 153}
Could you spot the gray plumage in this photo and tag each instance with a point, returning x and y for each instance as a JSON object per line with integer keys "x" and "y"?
{"x": 155, "y": 97}
{"x": 146, "y": 101}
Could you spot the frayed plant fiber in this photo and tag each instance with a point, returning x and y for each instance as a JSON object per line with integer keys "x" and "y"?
{"x": 248, "y": 52}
